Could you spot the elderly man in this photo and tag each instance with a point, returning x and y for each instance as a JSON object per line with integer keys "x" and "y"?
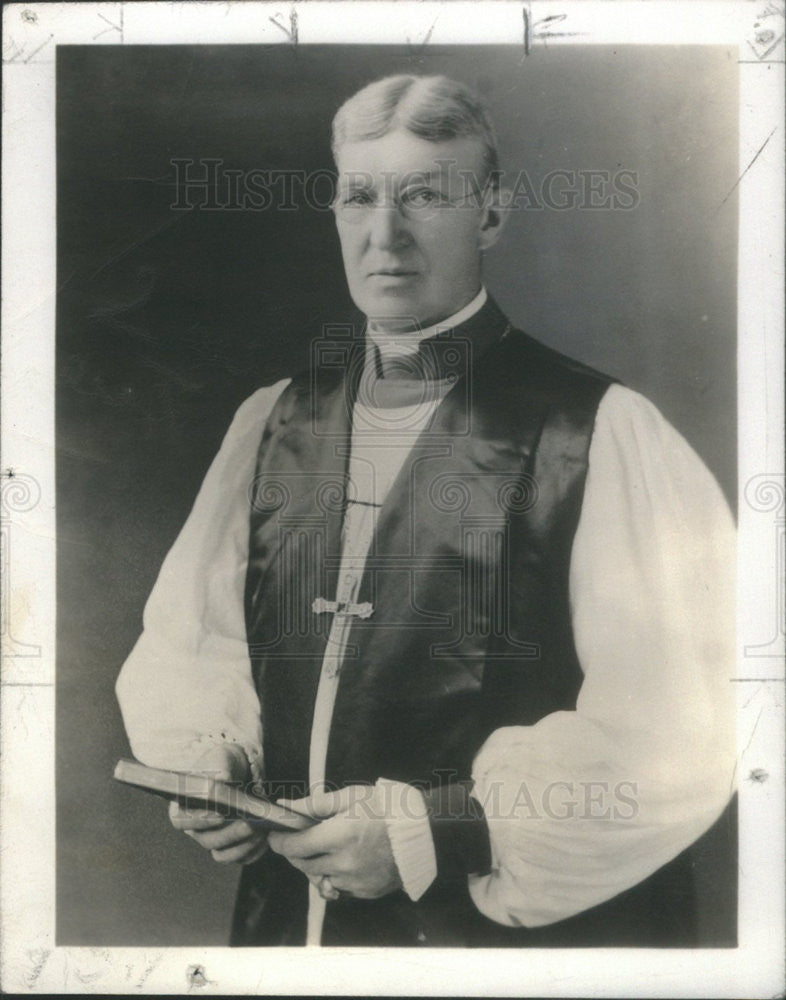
{"x": 465, "y": 599}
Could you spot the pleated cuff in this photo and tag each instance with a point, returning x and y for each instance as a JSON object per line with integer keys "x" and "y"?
{"x": 409, "y": 830}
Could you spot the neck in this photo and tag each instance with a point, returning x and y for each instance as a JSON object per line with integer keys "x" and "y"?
{"x": 430, "y": 364}
{"x": 381, "y": 331}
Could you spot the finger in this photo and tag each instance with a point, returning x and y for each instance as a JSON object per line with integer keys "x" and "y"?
{"x": 313, "y": 868}
{"x": 338, "y": 884}
{"x": 256, "y": 855}
{"x": 245, "y": 853}
{"x": 322, "y": 805}
{"x": 330, "y": 892}
{"x": 237, "y": 832}
{"x": 197, "y": 819}
{"x": 325, "y": 864}
{"x": 326, "y": 837}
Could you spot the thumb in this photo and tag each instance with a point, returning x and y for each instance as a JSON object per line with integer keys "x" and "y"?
{"x": 323, "y": 805}
{"x": 226, "y": 762}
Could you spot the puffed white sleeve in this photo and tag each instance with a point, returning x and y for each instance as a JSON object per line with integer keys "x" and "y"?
{"x": 586, "y": 804}
{"x": 187, "y": 683}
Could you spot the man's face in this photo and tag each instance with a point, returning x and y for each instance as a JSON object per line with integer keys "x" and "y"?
{"x": 410, "y": 236}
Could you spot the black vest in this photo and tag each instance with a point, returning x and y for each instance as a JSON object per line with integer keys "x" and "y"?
{"x": 468, "y": 579}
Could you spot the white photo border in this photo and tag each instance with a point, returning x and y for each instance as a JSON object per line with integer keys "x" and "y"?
{"x": 30, "y": 962}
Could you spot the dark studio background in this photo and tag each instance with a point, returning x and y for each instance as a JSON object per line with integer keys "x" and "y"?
{"x": 167, "y": 320}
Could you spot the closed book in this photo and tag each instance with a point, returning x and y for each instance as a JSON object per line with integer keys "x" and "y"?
{"x": 199, "y": 791}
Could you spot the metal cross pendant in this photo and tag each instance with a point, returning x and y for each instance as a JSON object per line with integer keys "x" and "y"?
{"x": 364, "y": 610}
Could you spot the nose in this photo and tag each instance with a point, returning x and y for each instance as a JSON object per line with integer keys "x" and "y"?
{"x": 388, "y": 228}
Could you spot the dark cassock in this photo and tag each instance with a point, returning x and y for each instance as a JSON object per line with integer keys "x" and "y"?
{"x": 493, "y": 584}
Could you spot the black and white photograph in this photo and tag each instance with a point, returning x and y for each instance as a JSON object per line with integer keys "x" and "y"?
{"x": 402, "y": 433}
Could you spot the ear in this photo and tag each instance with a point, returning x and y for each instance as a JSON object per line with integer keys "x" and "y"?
{"x": 495, "y": 215}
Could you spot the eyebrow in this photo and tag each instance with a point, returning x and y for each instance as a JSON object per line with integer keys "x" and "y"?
{"x": 354, "y": 182}
{"x": 425, "y": 175}
{"x": 413, "y": 178}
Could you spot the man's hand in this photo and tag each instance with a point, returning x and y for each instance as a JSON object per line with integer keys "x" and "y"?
{"x": 350, "y": 845}
{"x": 228, "y": 840}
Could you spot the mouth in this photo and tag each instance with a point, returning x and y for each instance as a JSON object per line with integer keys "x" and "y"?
{"x": 392, "y": 272}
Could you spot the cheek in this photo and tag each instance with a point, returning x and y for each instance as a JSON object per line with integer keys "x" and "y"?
{"x": 351, "y": 258}
{"x": 453, "y": 248}
{"x": 350, "y": 244}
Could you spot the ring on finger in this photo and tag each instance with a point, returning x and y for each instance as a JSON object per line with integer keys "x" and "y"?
{"x": 326, "y": 889}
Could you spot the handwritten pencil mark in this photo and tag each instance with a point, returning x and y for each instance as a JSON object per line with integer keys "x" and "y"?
{"x": 46, "y": 41}
{"x": 292, "y": 31}
{"x": 753, "y": 732}
{"x": 112, "y": 26}
{"x": 38, "y": 957}
{"x": 744, "y": 172}
{"x": 527, "y": 30}
{"x": 542, "y": 30}
{"x": 415, "y": 52}
{"x": 13, "y": 56}
{"x": 766, "y": 37}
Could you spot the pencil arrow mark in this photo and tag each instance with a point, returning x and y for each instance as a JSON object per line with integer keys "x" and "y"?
{"x": 291, "y": 32}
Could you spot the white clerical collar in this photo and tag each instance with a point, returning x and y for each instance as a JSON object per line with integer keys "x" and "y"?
{"x": 407, "y": 343}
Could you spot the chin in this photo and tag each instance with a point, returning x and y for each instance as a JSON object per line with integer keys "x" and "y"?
{"x": 391, "y": 307}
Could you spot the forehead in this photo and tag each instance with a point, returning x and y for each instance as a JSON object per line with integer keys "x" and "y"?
{"x": 400, "y": 153}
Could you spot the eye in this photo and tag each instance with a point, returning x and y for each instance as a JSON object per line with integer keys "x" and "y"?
{"x": 356, "y": 198}
{"x": 422, "y": 197}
